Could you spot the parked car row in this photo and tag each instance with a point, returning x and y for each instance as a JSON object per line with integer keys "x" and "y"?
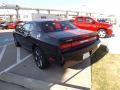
{"x": 9, "y": 25}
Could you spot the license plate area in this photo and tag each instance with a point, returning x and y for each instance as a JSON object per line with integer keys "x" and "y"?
{"x": 86, "y": 55}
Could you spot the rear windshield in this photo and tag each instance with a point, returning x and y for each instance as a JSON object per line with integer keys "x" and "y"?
{"x": 52, "y": 26}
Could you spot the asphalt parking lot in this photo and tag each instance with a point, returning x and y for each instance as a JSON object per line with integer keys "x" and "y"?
{"x": 6, "y": 37}
{"x": 19, "y": 63}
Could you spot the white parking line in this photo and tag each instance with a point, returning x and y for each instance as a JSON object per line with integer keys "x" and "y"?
{"x": 14, "y": 65}
{"x": 3, "y": 51}
{"x": 7, "y": 44}
{"x": 10, "y": 30}
{"x": 18, "y": 54}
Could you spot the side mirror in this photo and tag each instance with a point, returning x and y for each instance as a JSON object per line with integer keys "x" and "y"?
{"x": 18, "y": 27}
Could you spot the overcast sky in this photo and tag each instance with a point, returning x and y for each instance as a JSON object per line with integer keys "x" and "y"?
{"x": 103, "y": 6}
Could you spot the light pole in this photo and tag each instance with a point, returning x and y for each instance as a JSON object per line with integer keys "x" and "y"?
{"x": 17, "y": 12}
{"x": 4, "y": 7}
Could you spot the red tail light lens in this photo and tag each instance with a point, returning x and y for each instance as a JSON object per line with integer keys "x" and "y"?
{"x": 65, "y": 45}
{"x": 75, "y": 43}
{"x": 69, "y": 45}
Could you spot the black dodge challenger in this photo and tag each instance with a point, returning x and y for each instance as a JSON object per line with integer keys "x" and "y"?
{"x": 54, "y": 40}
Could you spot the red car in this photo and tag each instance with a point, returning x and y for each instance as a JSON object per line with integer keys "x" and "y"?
{"x": 12, "y": 25}
{"x": 88, "y": 23}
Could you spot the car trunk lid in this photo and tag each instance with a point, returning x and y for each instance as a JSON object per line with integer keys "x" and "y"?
{"x": 72, "y": 38}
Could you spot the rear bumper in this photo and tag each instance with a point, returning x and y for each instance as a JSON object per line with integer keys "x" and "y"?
{"x": 109, "y": 32}
{"x": 81, "y": 51}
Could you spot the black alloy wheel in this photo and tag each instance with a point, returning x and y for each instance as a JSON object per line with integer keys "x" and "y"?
{"x": 17, "y": 44}
{"x": 39, "y": 58}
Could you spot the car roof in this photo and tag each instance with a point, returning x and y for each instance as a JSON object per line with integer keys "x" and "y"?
{"x": 83, "y": 16}
{"x": 44, "y": 20}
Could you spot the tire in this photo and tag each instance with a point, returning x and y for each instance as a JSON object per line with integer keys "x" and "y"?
{"x": 3, "y": 28}
{"x": 102, "y": 33}
{"x": 6, "y": 27}
{"x": 90, "y": 52}
{"x": 39, "y": 58}
{"x": 62, "y": 63}
{"x": 60, "y": 60}
{"x": 17, "y": 44}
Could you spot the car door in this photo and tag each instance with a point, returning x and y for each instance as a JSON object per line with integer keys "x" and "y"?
{"x": 90, "y": 24}
{"x": 28, "y": 29}
{"x": 19, "y": 35}
{"x": 24, "y": 35}
{"x": 79, "y": 22}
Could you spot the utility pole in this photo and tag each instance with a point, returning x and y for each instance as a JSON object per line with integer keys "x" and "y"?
{"x": 4, "y": 7}
{"x": 17, "y": 12}
{"x": 78, "y": 13}
{"x": 48, "y": 11}
{"x": 67, "y": 14}
{"x": 38, "y": 11}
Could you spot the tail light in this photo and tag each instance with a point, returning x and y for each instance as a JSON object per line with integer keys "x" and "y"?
{"x": 65, "y": 45}
{"x": 76, "y": 43}
{"x": 69, "y": 45}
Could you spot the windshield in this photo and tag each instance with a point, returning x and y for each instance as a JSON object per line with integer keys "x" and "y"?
{"x": 52, "y": 26}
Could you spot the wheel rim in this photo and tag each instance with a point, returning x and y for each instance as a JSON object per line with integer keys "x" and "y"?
{"x": 102, "y": 33}
{"x": 15, "y": 41}
{"x": 38, "y": 58}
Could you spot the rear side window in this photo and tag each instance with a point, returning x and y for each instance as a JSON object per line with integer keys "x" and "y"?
{"x": 89, "y": 20}
{"x": 26, "y": 27}
{"x": 80, "y": 19}
{"x": 33, "y": 27}
{"x": 48, "y": 26}
{"x": 52, "y": 26}
{"x": 29, "y": 27}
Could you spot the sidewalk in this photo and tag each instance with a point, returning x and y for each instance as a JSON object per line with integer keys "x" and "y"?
{"x": 11, "y": 86}
{"x": 80, "y": 80}
{"x": 114, "y": 42}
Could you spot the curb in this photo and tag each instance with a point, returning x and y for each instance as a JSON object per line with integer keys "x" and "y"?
{"x": 34, "y": 84}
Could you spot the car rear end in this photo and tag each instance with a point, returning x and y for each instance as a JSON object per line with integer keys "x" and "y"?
{"x": 71, "y": 40}
{"x": 79, "y": 46}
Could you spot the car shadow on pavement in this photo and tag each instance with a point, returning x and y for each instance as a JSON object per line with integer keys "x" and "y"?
{"x": 54, "y": 75}
{"x": 95, "y": 57}
{"x": 100, "y": 53}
